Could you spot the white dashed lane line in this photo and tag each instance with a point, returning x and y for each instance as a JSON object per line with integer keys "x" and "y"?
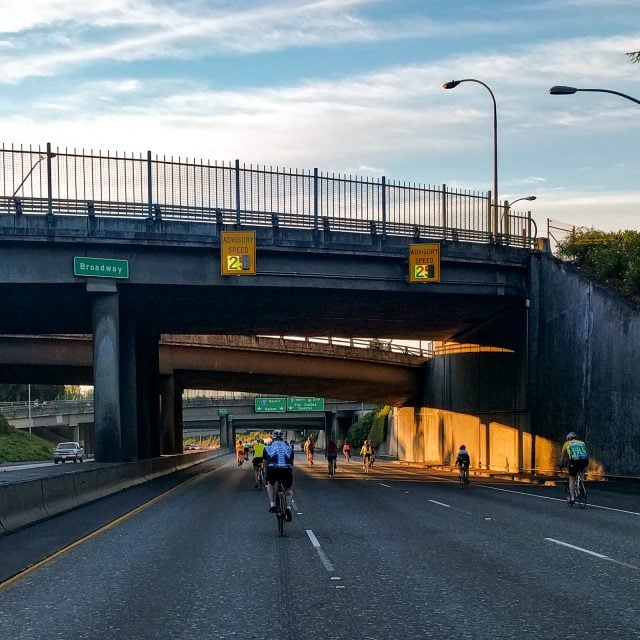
{"x": 320, "y": 551}
{"x": 591, "y": 553}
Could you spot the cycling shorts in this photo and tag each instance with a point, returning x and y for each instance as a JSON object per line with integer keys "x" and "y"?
{"x": 332, "y": 456}
{"x": 284, "y": 474}
{"x": 575, "y": 466}
{"x": 257, "y": 461}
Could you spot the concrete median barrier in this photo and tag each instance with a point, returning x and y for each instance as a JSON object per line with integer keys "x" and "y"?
{"x": 58, "y": 494}
{"x": 21, "y": 504}
{"x": 25, "y": 503}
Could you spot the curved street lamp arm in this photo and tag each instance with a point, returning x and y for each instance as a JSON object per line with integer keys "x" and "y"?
{"x": 617, "y": 93}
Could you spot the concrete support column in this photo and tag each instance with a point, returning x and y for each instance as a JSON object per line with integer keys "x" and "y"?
{"x": 128, "y": 390}
{"x": 148, "y": 395}
{"x": 231, "y": 432}
{"x": 177, "y": 418}
{"x": 167, "y": 415}
{"x": 330, "y": 425}
{"x": 106, "y": 376}
{"x": 224, "y": 433}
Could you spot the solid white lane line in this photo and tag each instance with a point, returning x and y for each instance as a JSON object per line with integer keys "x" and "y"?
{"x": 322, "y": 555}
{"x": 592, "y": 553}
{"x": 533, "y": 495}
{"x": 572, "y": 546}
{"x": 442, "y": 504}
{"x": 382, "y": 484}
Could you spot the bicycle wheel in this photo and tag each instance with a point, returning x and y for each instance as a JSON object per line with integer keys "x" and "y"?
{"x": 581, "y": 493}
{"x": 281, "y": 506}
{"x": 365, "y": 464}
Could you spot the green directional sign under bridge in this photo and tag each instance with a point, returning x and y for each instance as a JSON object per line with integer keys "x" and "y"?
{"x": 305, "y": 404}
{"x": 100, "y": 267}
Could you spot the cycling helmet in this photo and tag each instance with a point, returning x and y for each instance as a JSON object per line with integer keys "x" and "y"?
{"x": 462, "y": 446}
{"x": 571, "y": 435}
{"x": 276, "y": 433}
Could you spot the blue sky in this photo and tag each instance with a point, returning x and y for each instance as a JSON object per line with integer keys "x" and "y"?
{"x": 351, "y": 86}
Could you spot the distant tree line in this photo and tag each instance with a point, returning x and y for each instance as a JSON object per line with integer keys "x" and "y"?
{"x": 20, "y": 392}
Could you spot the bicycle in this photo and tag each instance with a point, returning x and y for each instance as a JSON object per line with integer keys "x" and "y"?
{"x": 281, "y": 506}
{"x": 332, "y": 466}
{"x": 580, "y": 491}
{"x": 260, "y": 479}
{"x": 463, "y": 477}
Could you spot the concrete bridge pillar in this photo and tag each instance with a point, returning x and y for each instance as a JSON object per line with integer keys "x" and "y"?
{"x": 330, "y": 425}
{"x": 106, "y": 374}
{"x": 148, "y": 395}
{"x": 128, "y": 391}
{"x": 224, "y": 433}
{"x": 170, "y": 408}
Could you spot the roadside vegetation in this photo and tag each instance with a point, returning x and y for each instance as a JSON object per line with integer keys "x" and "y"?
{"x": 371, "y": 426}
{"x": 609, "y": 258}
{"x": 19, "y": 446}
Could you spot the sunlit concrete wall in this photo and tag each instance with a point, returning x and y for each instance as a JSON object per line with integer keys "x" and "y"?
{"x": 433, "y": 436}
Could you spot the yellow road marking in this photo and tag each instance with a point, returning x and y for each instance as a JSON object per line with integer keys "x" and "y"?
{"x": 94, "y": 534}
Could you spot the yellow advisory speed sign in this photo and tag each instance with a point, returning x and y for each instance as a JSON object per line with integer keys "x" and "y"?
{"x": 238, "y": 253}
{"x": 424, "y": 262}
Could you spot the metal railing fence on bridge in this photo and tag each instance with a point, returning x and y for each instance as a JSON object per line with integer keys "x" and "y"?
{"x": 60, "y": 181}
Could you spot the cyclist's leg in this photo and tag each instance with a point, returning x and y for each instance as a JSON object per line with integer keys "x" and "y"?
{"x": 271, "y": 491}
{"x": 572, "y": 481}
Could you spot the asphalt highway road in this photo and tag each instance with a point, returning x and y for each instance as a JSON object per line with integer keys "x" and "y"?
{"x": 397, "y": 554}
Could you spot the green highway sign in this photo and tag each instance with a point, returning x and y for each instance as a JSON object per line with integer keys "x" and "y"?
{"x": 100, "y": 267}
{"x": 305, "y": 404}
{"x": 223, "y": 412}
{"x": 270, "y": 405}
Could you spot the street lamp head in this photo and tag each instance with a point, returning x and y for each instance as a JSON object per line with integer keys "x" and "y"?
{"x": 530, "y": 198}
{"x": 451, "y": 84}
{"x": 560, "y": 90}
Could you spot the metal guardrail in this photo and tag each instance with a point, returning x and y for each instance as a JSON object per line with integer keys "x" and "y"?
{"x": 47, "y": 181}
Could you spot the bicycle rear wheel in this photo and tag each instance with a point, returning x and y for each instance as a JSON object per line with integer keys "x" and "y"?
{"x": 281, "y": 506}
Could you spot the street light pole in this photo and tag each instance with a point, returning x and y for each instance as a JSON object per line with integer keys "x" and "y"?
{"x": 41, "y": 157}
{"x": 560, "y": 90}
{"x": 452, "y": 85}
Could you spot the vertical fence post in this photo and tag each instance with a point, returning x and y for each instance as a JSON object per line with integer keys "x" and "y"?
{"x": 238, "y": 193}
{"x": 49, "y": 182}
{"x": 443, "y": 209}
{"x": 489, "y": 217}
{"x": 149, "y": 187}
{"x": 315, "y": 199}
{"x": 384, "y": 205}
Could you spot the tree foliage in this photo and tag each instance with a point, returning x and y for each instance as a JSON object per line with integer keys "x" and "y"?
{"x": 634, "y": 56}
{"x": 20, "y": 392}
{"x": 610, "y": 258}
{"x": 371, "y": 426}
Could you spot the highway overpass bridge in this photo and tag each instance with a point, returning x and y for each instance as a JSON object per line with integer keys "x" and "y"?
{"x": 129, "y": 249}
{"x": 201, "y": 416}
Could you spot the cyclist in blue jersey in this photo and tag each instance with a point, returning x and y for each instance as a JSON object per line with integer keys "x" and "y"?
{"x": 278, "y": 458}
{"x": 574, "y": 454}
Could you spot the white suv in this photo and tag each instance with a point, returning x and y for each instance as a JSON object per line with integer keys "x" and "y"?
{"x": 68, "y": 451}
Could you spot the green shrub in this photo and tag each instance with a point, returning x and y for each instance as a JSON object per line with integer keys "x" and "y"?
{"x": 5, "y": 427}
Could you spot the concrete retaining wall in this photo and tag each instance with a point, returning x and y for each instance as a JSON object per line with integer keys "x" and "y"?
{"x": 586, "y": 361}
{"x": 24, "y": 503}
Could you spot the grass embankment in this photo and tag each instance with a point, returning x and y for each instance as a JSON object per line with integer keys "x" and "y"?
{"x": 19, "y": 446}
